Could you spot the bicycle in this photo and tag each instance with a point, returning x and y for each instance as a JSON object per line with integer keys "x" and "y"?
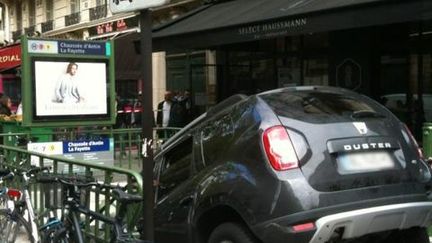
{"x": 15, "y": 203}
{"x": 69, "y": 228}
{"x": 18, "y": 207}
{"x": 11, "y": 220}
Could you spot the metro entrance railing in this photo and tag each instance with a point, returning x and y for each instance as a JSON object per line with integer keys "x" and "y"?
{"x": 125, "y": 172}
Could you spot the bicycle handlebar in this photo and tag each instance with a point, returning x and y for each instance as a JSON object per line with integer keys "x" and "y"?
{"x": 7, "y": 176}
{"x": 73, "y": 180}
{"x": 33, "y": 170}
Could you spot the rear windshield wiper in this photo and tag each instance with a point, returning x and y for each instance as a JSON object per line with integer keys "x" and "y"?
{"x": 367, "y": 114}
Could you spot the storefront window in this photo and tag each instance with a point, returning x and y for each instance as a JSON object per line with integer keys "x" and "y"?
{"x": 288, "y": 44}
{"x": 427, "y": 84}
{"x": 288, "y": 72}
{"x": 316, "y": 41}
{"x": 315, "y": 71}
{"x": 240, "y": 78}
{"x": 263, "y": 75}
{"x": 189, "y": 72}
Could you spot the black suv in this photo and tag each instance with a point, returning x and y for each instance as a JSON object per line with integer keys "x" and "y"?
{"x": 300, "y": 164}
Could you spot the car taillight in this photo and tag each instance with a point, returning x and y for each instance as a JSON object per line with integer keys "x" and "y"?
{"x": 419, "y": 151}
{"x": 279, "y": 149}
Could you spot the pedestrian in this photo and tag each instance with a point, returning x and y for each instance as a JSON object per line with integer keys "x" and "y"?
{"x": 127, "y": 111}
{"x": 163, "y": 116}
{"x": 5, "y": 105}
{"x": 19, "y": 110}
{"x": 119, "y": 113}
{"x": 187, "y": 103}
{"x": 164, "y": 110}
{"x": 181, "y": 110}
{"x": 137, "y": 111}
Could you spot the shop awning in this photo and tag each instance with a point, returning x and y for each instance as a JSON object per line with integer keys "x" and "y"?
{"x": 10, "y": 57}
{"x": 248, "y": 20}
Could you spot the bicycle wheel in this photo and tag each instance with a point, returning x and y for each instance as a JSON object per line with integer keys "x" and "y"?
{"x": 55, "y": 235}
{"x": 53, "y": 231}
{"x": 125, "y": 237}
{"x": 5, "y": 212}
{"x": 15, "y": 229}
{"x": 4, "y": 219}
{"x": 62, "y": 233}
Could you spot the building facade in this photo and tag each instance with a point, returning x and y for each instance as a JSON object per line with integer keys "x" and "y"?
{"x": 375, "y": 47}
{"x": 92, "y": 20}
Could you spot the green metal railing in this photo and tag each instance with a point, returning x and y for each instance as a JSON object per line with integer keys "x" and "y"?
{"x": 127, "y": 141}
{"x": 96, "y": 200}
{"x": 125, "y": 172}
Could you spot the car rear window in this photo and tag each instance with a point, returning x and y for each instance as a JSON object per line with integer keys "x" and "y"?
{"x": 317, "y": 106}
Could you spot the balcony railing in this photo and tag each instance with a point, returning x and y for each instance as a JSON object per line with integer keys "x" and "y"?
{"x": 72, "y": 19}
{"x": 98, "y": 12}
{"x": 47, "y": 26}
{"x": 16, "y": 34}
{"x": 29, "y": 30}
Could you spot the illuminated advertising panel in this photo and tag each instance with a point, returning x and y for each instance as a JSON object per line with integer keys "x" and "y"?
{"x": 68, "y": 82}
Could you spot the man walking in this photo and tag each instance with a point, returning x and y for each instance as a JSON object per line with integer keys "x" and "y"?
{"x": 164, "y": 110}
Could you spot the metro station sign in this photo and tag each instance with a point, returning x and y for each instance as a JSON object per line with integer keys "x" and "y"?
{"x": 119, "y": 6}
{"x": 68, "y": 47}
{"x": 49, "y": 65}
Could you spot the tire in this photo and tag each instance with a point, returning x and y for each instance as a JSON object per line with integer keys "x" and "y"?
{"x": 4, "y": 222}
{"x": 55, "y": 235}
{"x": 412, "y": 235}
{"x": 69, "y": 231}
{"x": 231, "y": 233}
{"x": 13, "y": 228}
{"x": 53, "y": 232}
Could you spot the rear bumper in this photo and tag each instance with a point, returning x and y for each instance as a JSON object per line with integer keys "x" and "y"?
{"x": 353, "y": 223}
{"x": 375, "y": 219}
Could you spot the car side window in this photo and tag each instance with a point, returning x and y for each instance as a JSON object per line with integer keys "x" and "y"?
{"x": 176, "y": 167}
{"x": 216, "y": 137}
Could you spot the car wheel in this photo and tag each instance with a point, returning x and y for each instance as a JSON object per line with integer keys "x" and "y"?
{"x": 413, "y": 235}
{"x": 231, "y": 233}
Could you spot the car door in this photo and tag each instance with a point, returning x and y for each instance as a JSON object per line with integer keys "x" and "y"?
{"x": 174, "y": 194}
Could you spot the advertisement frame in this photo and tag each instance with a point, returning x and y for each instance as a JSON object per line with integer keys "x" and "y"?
{"x": 56, "y": 50}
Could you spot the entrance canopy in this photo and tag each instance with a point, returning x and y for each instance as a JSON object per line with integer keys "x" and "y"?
{"x": 248, "y": 20}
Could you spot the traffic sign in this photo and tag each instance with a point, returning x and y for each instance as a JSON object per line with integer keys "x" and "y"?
{"x": 119, "y": 6}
